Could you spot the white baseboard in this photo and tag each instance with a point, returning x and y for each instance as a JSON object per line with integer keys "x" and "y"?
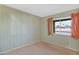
{"x": 26, "y": 44}
{"x": 72, "y": 49}
{"x": 33, "y": 43}
{"x": 63, "y": 46}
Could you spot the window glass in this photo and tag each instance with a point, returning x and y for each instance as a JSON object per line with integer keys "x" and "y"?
{"x": 66, "y": 26}
{"x": 62, "y": 26}
{"x": 57, "y": 26}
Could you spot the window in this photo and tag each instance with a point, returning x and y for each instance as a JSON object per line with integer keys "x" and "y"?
{"x": 62, "y": 26}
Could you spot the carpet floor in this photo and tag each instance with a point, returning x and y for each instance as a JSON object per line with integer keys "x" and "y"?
{"x": 42, "y": 49}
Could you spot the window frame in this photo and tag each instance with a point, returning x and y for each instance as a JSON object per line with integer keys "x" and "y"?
{"x": 60, "y": 20}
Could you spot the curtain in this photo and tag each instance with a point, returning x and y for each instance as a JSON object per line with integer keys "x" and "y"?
{"x": 75, "y": 25}
{"x": 50, "y": 26}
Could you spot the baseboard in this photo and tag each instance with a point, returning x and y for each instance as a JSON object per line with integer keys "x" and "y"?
{"x": 30, "y": 43}
{"x": 26, "y": 44}
{"x": 62, "y": 46}
{"x": 72, "y": 49}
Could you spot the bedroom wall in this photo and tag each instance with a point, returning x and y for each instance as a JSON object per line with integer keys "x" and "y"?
{"x": 57, "y": 39}
{"x": 17, "y": 28}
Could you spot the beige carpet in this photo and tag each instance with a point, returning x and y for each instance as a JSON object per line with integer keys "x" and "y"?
{"x": 41, "y": 49}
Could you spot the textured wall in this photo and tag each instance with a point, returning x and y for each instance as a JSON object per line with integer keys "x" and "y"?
{"x": 17, "y": 28}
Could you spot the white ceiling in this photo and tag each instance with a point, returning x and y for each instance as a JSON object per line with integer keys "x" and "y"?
{"x": 44, "y": 9}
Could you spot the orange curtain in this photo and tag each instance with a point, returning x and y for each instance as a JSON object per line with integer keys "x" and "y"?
{"x": 75, "y": 25}
{"x": 50, "y": 26}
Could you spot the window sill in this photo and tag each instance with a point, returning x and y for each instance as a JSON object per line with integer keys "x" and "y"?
{"x": 61, "y": 33}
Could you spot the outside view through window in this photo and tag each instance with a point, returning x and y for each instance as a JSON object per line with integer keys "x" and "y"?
{"x": 63, "y": 26}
